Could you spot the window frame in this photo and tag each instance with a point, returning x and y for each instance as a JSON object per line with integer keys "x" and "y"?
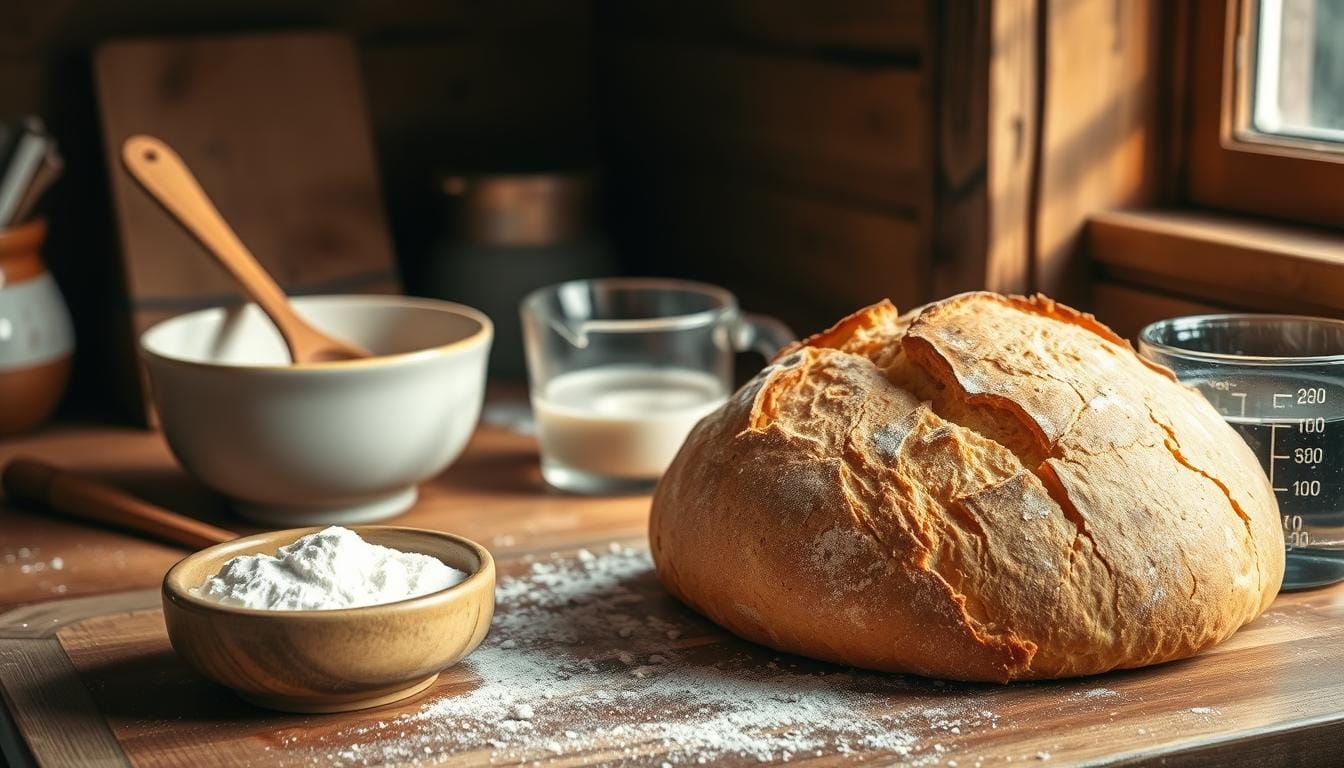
{"x": 1226, "y": 167}
{"x": 1327, "y": 143}
{"x": 1240, "y": 225}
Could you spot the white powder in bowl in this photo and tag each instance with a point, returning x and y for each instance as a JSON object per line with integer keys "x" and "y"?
{"x": 333, "y": 568}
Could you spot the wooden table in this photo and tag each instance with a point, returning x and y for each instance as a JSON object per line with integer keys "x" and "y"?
{"x": 1273, "y": 695}
{"x": 493, "y": 494}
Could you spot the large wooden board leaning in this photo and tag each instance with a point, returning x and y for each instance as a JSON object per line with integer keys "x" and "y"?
{"x": 276, "y": 129}
{"x": 94, "y": 680}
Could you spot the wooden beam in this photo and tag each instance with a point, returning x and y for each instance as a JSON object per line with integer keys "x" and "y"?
{"x": 987, "y": 142}
{"x": 1099, "y": 130}
{"x": 961, "y": 146}
{"x": 1014, "y": 144}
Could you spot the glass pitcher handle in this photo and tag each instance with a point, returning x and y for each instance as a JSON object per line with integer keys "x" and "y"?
{"x": 763, "y": 334}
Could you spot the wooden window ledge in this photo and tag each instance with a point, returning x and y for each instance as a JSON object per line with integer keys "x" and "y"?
{"x": 1202, "y": 260}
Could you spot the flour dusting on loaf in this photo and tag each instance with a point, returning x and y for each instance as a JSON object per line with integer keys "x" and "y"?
{"x": 987, "y": 488}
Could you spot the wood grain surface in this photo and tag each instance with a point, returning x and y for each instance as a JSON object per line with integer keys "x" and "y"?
{"x": 986, "y": 147}
{"x": 786, "y": 252}
{"x": 305, "y": 199}
{"x": 856, "y": 134}
{"x": 776, "y": 148}
{"x": 96, "y": 676}
{"x": 1223, "y": 259}
{"x": 1127, "y": 309}
{"x": 878, "y": 27}
{"x": 1099, "y": 128}
{"x": 493, "y": 494}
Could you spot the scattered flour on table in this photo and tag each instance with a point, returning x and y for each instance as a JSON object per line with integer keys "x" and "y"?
{"x": 588, "y": 657}
{"x": 1204, "y": 711}
{"x": 31, "y": 563}
{"x": 333, "y": 568}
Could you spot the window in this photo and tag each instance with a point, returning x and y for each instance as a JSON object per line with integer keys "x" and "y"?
{"x": 1255, "y": 220}
{"x": 1296, "y": 78}
{"x": 1264, "y": 119}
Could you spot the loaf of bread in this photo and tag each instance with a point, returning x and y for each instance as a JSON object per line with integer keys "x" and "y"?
{"x": 987, "y": 488}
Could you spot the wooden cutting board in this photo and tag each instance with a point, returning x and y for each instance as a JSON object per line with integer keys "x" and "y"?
{"x": 590, "y": 662}
{"x": 276, "y": 128}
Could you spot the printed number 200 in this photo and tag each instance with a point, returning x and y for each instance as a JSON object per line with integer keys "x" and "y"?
{"x": 1311, "y": 395}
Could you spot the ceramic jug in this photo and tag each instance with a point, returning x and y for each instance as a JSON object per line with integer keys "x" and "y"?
{"x": 36, "y": 340}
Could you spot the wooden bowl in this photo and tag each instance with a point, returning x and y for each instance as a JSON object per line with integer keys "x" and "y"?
{"x": 333, "y": 660}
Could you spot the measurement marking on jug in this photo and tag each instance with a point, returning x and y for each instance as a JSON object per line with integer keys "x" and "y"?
{"x": 1310, "y": 456}
{"x": 1273, "y": 437}
{"x": 1241, "y": 395}
{"x": 1294, "y": 536}
{"x": 1311, "y": 396}
{"x": 1277, "y": 395}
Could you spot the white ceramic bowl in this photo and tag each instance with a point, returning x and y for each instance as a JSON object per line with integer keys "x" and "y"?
{"x": 323, "y": 443}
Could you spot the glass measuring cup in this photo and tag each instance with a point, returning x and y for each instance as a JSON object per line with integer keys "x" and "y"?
{"x": 621, "y": 369}
{"x": 1279, "y": 381}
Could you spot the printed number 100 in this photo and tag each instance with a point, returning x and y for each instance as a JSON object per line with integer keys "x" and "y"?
{"x": 1312, "y": 426}
{"x": 1306, "y": 487}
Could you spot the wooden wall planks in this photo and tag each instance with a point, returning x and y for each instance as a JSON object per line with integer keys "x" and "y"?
{"x": 1127, "y": 309}
{"x": 872, "y": 27}
{"x": 1048, "y": 112}
{"x": 960, "y": 210}
{"x": 979, "y": 133}
{"x": 987, "y": 143}
{"x": 788, "y": 253}
{"x": 1101, "y": 146}
{"x": 1015, "y": 98}
{"x": 451, "y": 85}
{"x": 782, "y": 149}
{"x": 857, "y": 133}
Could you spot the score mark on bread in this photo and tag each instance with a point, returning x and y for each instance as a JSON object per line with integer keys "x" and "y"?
{"x": 987, "y": 488}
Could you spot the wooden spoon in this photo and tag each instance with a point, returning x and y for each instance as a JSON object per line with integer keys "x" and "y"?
{"x": 39, "y": 484}
{"x": 167, "y": 179}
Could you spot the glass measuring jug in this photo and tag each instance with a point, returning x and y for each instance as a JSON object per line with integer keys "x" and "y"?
{"x": 621, "y": 369}
{"x": 1279, "y": 381}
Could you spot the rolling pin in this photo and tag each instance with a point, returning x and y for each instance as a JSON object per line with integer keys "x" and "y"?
{"x": 34, "y": 482}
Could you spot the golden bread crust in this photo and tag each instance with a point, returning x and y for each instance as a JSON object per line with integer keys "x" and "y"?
{"x": 989, "y": 488}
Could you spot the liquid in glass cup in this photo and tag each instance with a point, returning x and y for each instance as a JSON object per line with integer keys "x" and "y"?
{"x": 621, "y": 369}
{"x": 1279, "y": 381}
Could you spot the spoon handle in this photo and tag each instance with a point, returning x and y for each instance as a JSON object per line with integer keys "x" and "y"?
{"x": 37, "y": 483}
{"x": 165, "y": 177}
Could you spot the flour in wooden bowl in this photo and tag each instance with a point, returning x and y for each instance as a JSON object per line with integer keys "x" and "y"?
{"x": 333, "y": 568}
